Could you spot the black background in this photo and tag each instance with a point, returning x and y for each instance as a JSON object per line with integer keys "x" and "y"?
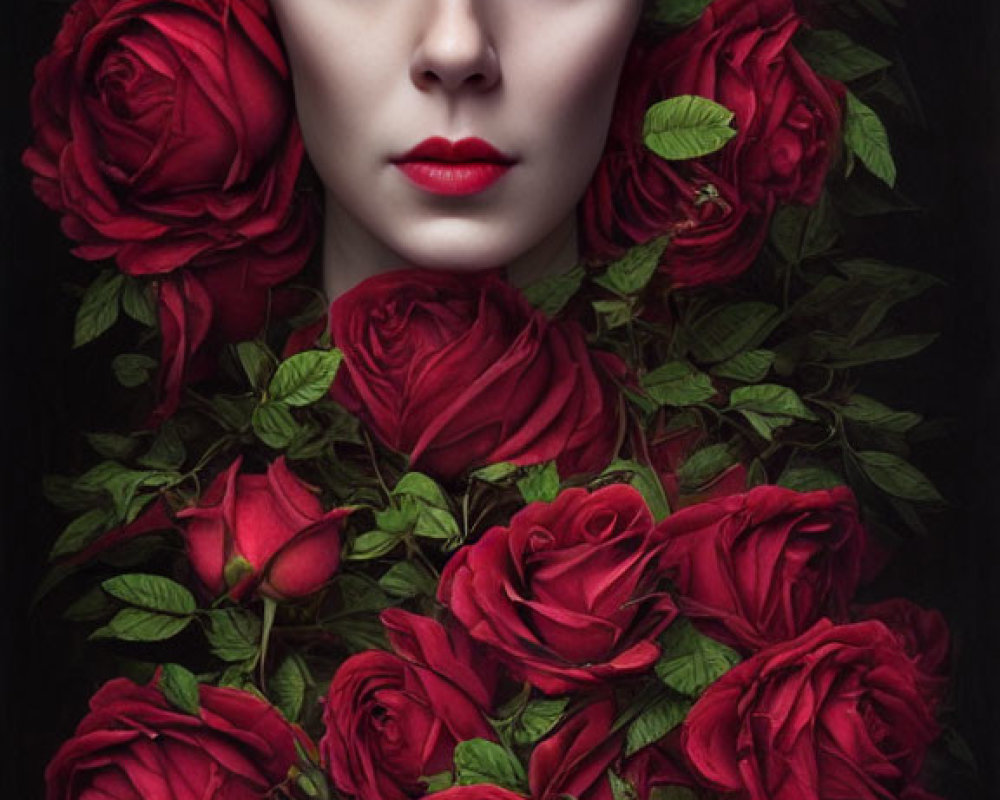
{"x": 952, "y": 169}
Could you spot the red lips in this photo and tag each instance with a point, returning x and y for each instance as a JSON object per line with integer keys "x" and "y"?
{"x": 464, "y": 167}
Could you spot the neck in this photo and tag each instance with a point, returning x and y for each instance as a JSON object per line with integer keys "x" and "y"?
{"x": 351, "y": 254}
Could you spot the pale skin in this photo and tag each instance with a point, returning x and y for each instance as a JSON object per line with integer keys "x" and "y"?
{"x": 534, "y": 78}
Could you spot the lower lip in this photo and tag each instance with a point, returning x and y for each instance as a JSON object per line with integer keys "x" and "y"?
{"x": 453, "y": 178}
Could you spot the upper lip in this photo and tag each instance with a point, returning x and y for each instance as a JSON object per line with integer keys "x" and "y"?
{"x": 463, "y": 151}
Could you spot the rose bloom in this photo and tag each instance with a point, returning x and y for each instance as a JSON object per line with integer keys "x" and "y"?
{"x": 570, "y": 595}
{"x": 761, "y": 567}
{"x": 273, "y": 522}
{"x": 459, "y": 371}
{"x": 836, "y": 713}
{"x": 923, "y": 633}
{"x": 716, "y": 208}
{"x": 134, "y": 744}
{"x": 392, "y": 718}
{"x": 165, "y": 135}
{"x": 574, "y": 761}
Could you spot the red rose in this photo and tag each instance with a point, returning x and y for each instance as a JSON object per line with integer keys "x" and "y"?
{"x": 835, "y": 713}
{"x": 575, "y": 760}
{"x": 762, "y": 567}
{"x": 657, "y": 766}
{"x": 570, "y": 594}
{"x": 480, "y": 791}
{"x": 459, "y": 371}
{"x": 273, "y": 522}
{"x": 394, "y": 718}
{"x": 716, "y": 208}
{"x": 923, "y": 634}
{"x": 165, "y": 135}
{"x": 134, "y": 744}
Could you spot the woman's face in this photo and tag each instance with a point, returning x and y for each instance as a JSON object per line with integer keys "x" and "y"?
{"x": 385, "y": 88}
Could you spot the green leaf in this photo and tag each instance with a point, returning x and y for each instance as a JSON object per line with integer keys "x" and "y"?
{"x": 673, "y": 793}
{"x": 305, "y": 377}
{"x": 122, "y": 484}
{"x": 435, "y": 523}
{"x": 167, "y": 451}
{"x": 373, "y": 544}
{"x": 180, "y": 687}
{"x": 703, "y": 465}
{"x": 139, "y": 625}
{"x": 422, "y": 488}
{"x": 800, "y": 232}
{"x": 257, "y": 362}
{"x": 770, "y": 398}
{"x": 550, "y": 295}
{"x": 677, "y": 14}
{"x": 99, "y": 307}
{"x": 836, "y": 55}
{"x": 621, "y": 789}
{"x": 496, "y": 473}
{"x": 860, "y": 408}
{"x": 540, "y": 483}
{"x": 645, "y": 480}
{"x": 233, "y": 633}
{"x": 287, "y": 686}
{"x": 481, "y": 761}
{"x": 865, "y": 136}
{"x": 614, "y": 313}
{"x": 687, "y": 126}
{"x": 537, "y": 719}
{"x": 809, "y": 479}
{"x": 91, "y": 606}
{"x": 749, "y": 367}
{"x": 274, "y": 424}
{"x": 730, "y": 329}
{"x": 631, "y": 273}
{"x": 888, "y": 349}
{"x": 133, "y": 369}
{"x": 766, "y": 424}
{"x": 691, "y": 661}
{"x": 151, "y": 592}
{"x": 80, "y": 532}
{"x": 677, "y": 383}
{"x": 138, "y": 302}
{"x": 234, "y": 412}
{"x": 437, "y": 782}
{"x": 407, "y": 579}
{"x": 897, "y": 477}
{"x": 655, "y": 722}
{"x": 112, "y": 445}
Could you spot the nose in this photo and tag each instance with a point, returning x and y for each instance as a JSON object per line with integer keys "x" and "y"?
{"x": 455, "y": 50}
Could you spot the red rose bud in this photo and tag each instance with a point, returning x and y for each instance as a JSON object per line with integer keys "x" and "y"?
{"x": 571, "y": 593}
{"x": 837, "y": 712}
{"x": 716, "y": 208}
{"x": 757, "y": 568}
{"x": 133, "y": 744}
{"x": 165, "y": 134}
{"x": 458, "y": 371}
{"x": 392, "y": 718}
{"x": 267, "y": 528}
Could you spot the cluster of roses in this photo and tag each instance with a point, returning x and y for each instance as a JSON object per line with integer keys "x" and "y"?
{"x": 573, "y": 598}
{"x": 579, "y": 601}
{"x": 166, "y": 138}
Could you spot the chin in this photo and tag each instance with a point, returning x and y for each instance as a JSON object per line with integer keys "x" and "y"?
{"x": 462, "y": 250}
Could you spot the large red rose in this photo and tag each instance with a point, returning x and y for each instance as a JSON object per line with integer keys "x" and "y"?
{"x": 458, "y": 371}
{"x": 570, "y": 594}
{"x": 836, "y": 713}
{"x": 715, "y": 208}
{"x": 757, "y": 568}
{"x": 133, "y": 744}
{"x": 272, "y": 525}
{"x": 392, "y": 718}
{"x": 165, "y": 135}
{"x": 575, "y": 760}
